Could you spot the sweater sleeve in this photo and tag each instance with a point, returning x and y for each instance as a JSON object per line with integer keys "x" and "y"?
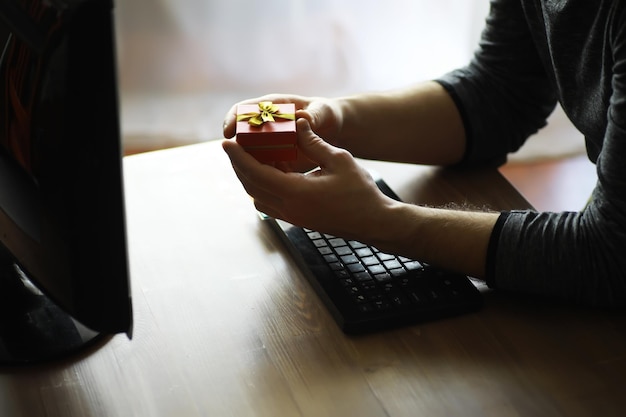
{"x": 575, "y": 256}
{"x": 581, "y": 256}
{"x": 504, "y": 94}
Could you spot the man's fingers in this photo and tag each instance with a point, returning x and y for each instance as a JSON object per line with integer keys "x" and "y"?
{"x": 261, "y": 181}
{"x": 316, "y": 148}
{"x": 229, "y": 123}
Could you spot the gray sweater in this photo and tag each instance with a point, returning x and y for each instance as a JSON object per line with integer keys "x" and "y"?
{"x": 533, "y": 53}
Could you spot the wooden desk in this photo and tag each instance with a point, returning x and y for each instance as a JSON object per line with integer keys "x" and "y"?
{"x": 227, "y": 326}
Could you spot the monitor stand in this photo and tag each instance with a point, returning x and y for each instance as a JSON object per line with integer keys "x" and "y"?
{"x": 33, "y": 329}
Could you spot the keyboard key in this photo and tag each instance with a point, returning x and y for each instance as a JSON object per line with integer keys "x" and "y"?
{"x": 354, "y": 290}
{"x": 415, "y": 298}
{"x": 314, "y": 235}
{"x": 376, "y": 269}
{"x": 385, "y": 256}
{"x": 356, "y": 268}
{"x": 384, "y": 277}
{"x": 412, "y": 265}
{"x": 434, "y": 295}
{"x": 347, "y": 282}
{"x": 398, "y": 300}
{"x": 356, "y": 245}
{"x": 331, "y": 258}
{"x": 319, "y": 243}
{"x": 336, "y": 266}
{"x": 336, "y": 242}
{"x": 361, "y": 298}
{"x": 370, "y": 260}
{"x": 342, "y": 274}
{"x": 343, "y": 250}
{"x": 349, "y": 259}
{"x": 369, "y": 286}
{"x": 366, "y": 308}
{"x": 364, "y": 252}
{"x": 363, "y": 276}
{"x": 324, "y": 250}
{"x": 381, "y": 304}
{"x": 392, "y": 264}
{"x": 398, "y": 272}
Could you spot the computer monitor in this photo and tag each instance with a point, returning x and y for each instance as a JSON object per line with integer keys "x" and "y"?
{"x": 64, "y": 280}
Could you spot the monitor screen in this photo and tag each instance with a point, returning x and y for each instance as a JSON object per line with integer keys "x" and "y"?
{"x": 63, "y": 258}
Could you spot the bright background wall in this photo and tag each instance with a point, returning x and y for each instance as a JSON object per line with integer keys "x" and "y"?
{"x": 183, "y": 63}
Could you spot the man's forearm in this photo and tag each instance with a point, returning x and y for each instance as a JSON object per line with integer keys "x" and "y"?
{"x": 420, "y": 124}
{"x": 456, "y": 240}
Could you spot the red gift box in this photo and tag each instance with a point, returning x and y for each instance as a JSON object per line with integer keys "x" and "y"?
{"x": 267, "y": 140}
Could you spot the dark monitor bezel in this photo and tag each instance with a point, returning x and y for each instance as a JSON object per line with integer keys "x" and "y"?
{"x": 67, "y": 228}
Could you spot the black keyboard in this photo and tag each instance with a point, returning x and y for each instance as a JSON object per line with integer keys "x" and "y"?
{"x": 367, "y": 290}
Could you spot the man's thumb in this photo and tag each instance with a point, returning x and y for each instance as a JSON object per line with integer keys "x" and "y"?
{"x": 314, "y": 147}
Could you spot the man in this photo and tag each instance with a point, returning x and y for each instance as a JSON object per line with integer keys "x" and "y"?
{"x": 532, "y": 53}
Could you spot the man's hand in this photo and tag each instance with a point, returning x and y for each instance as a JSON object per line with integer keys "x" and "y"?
{"x": 324, "y": 117}
{"x": 339, "y": 198}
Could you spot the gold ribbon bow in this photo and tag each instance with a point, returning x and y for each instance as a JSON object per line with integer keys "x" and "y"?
{"x": 267, "y": 112}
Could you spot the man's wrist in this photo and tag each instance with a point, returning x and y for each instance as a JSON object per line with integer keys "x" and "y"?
{"x": 452, "y": 239}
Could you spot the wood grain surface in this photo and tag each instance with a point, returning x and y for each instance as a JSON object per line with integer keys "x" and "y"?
{"x": 226, "y": 325}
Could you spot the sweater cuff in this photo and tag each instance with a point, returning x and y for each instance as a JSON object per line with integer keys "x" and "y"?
{"x": 492, "y": 250}
{"x": 469, "y": 142}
